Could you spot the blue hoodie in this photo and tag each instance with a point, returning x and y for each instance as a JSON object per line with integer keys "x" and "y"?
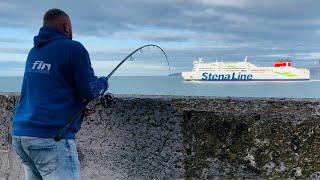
{"x": 58, "y": 78}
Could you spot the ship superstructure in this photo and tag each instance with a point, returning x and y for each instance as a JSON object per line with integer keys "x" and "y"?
{"x": 282, "y": 70}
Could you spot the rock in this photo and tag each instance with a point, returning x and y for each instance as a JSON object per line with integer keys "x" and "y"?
{"x": 168, "y": 137}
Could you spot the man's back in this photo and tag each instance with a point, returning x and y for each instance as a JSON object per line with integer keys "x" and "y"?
{"x": 49, "y": 90}
{"x": 58, "y": 79}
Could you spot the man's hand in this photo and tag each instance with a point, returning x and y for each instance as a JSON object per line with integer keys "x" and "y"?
{"x": 87, "y": 112}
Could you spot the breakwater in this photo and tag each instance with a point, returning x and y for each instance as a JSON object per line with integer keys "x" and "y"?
{"x": 172, "y": 137}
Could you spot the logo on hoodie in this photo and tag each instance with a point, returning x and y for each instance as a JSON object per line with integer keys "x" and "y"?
{"x": 40, "y": 67}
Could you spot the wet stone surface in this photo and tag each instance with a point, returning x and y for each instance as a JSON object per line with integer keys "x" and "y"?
{"x": 230, "y": 145}
{"x": 168, "y": 137}
{"x": 138, "y": 139}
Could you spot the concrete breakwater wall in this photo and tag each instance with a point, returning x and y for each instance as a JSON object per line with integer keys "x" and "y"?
{"x": 165, "y": 137}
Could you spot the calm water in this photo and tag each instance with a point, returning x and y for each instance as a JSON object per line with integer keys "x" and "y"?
{"x": 174, "y": 85}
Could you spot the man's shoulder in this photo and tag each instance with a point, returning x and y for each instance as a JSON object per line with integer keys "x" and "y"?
{"x": 76, "y": 45}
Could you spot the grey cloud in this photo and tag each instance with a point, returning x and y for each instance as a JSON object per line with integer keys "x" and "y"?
{"x": 256, "y": 19}
{"x": 13, "y": 50}
{"x": 219, "y": 28}
{"x": 165, "y": 38}
{"x": 12, "y": 40}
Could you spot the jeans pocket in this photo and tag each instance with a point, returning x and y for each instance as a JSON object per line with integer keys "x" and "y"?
{"x": 45, "y": 158}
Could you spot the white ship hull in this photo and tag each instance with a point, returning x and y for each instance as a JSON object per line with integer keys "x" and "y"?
{"x": 244, "y": 71}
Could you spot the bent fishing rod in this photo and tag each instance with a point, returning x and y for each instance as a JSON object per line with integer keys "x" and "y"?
{"x": 108, "y": 99}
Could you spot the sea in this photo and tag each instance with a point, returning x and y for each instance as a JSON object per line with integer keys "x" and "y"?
{"x": 175, "y": 85}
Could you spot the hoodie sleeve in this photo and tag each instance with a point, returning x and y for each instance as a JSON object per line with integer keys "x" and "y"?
{"x": 87, "y": 85}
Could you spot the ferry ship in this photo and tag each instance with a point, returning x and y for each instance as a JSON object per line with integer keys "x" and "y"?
{"x": 282, "y": 70}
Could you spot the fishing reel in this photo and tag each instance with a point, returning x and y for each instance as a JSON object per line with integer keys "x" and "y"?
{"x": 105, "y": 100}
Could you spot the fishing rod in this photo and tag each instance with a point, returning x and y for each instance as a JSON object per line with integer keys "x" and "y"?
{"x": 105, "y": 98}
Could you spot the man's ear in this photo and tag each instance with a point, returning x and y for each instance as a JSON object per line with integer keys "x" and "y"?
{"x": 67, "y": 29}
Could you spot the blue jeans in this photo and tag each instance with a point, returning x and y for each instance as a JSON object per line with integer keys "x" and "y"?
{"x": 43, "y": 158}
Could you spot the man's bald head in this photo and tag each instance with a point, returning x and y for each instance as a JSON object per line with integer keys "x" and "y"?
{"x": 58, "y": 19}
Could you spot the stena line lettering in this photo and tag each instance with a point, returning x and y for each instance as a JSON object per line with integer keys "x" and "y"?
{"x": 226, "y": 77}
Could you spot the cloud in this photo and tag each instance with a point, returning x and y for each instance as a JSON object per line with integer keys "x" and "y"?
{"x": 229, "y": 3}
{"x": 164, "y": 38}
{"x": 125, "y": 13}
{"x": 11, "y": 50}
{"x": 213, "y": 29}
{"x": 252, "y": 20}
{"x": 11, "y": 40}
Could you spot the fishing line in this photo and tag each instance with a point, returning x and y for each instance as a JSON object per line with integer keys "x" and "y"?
{"x": 141, "y": 50}
{"x": 105, "y": 98}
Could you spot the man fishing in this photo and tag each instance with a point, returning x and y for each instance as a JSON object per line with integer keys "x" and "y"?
{"x": 58, "y": 81}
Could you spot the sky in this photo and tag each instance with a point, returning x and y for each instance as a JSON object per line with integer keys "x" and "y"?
{"x": 187, "y": 30}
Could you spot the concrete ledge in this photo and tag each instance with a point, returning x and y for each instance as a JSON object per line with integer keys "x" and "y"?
{"x": 169, "y": 137}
